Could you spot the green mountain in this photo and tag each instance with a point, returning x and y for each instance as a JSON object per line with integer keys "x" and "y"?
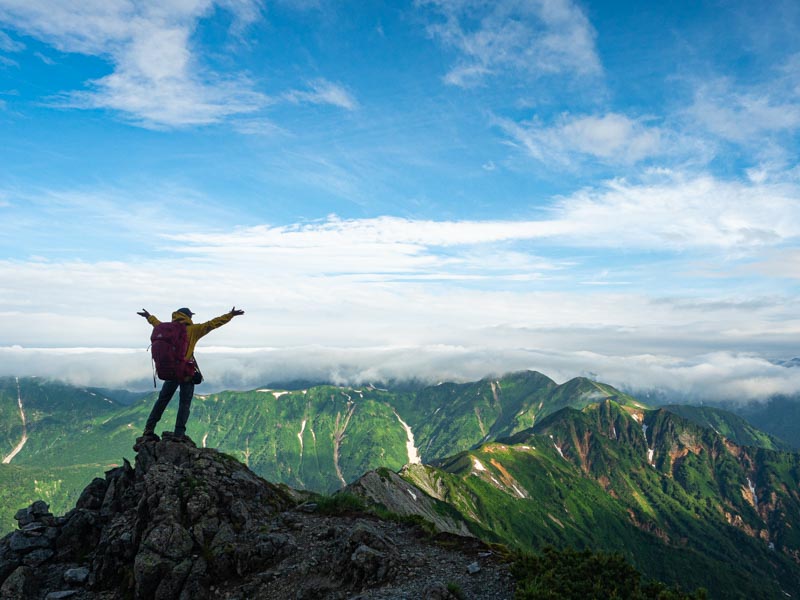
{"x": 730, "y": 425}
{"x": 36, "y": 464}
{"x": 681, "y": 502}
{"x": 779, "y": 416}
{"x": 318, "y": 438}
{"x": 705, "y": 500}
{"x": 451, "y": 417}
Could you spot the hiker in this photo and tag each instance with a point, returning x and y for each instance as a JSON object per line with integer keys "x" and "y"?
{"x": 188, "y": 375}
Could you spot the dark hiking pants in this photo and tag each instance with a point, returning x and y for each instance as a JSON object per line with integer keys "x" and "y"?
{"x": 167, "y": 391}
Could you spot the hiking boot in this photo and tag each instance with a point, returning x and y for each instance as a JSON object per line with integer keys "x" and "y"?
{"x": 148, "y": 437}
{"x": 178, "y": 437}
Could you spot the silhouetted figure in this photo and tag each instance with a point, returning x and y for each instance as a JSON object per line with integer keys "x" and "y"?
{"x": 188, "y": 374}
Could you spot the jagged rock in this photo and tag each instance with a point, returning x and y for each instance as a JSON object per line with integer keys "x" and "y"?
{"x": 37, "y": 557}
{"x": 18, "y": 585}
{"x": 77, "y": 575}
{"x": 79, "y": 532}
{"x": 61, "y": 595}
{"x": 92, "y": 495}
{"x": 23, "y": 541}
{"x": 39, "y": 512}
{"x": 187, "y": 520}
{"x": 438, "y": 591}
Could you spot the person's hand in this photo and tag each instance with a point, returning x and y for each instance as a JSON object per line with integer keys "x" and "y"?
{"x": 143, "y": 313}
{"x": 235, "y": 312}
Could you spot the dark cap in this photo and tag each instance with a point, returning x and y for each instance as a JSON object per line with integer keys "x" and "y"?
{"x": 185, "y": 311}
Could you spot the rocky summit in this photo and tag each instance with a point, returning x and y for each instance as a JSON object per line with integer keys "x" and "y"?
{"x": 192, "y": 523}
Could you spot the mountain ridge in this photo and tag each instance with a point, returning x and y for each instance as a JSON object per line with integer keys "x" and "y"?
{"x": 519, "y": 459}
{"x": 686, "y": 512}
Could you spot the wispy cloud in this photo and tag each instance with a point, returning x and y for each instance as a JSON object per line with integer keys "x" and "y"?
{"x": 668, "y": 211}
{"x": 611, "y": 138}
{"x": 529, "y": 38}
{"x": 746, "y": 115}
{"x": 45, "y": 59}
{"x": 322, "y": 91}
{"x": 158, "y": 79}
{"x": 761, "y": 118}
{"x": 258, "y": 126}
{"x": 677, "y": 213}
{"x": 780, "y": 264}
{"x": 662, "y": 212}
{"x": 7, "y": 44}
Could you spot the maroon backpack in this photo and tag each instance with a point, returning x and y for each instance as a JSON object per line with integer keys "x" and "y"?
{"x": 168, "y": 345}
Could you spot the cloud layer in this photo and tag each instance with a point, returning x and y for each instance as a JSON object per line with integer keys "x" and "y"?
{"x": 404, "y": 297}
{"x": 737, "y": 378}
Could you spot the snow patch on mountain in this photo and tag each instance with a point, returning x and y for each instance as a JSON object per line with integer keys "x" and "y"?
{"x": 413, "y": 452}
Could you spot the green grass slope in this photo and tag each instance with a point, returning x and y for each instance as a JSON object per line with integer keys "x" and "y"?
{"x": 450, "y": 418}
{"x": 681, "y": 502}
{"x": 531, "y": 497}
{"x": 692, "y": 488}
{"x": 728, "y": 424}
{"x": 780, "y": 416}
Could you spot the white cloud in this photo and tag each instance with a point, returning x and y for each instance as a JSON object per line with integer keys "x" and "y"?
{"x": 666, "y": 212}
{"x": 347, "y": 319}
{"x": 324, "y": 92}
{"x": 45, "y": 59}
{"x": 677, "y": 213}
{"x": 782, "y": 264}
{"x": 747, "y": 115}
{"x": 611, "y": 138}
{"x": 158, "y": 79}
{"x": 735, "y": 377}
{"x": 533, "y": 38}
{"x": 7, "y": 44}
{"x": 719, "y": 376}
{"x": 389, "y": 296}
{"x": 256, "y": 126}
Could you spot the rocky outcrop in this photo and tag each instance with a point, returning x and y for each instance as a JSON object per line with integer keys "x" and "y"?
{"x": 192, "y": 523}
{"x": 386, "y": 488}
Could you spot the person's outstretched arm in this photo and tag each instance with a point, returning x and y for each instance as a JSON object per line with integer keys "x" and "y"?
{"x": 204, "y": 328}
{"x": 150, "y": 318}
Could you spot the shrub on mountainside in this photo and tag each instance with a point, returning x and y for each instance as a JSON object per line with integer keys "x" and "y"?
{"x": 563, "y": 574}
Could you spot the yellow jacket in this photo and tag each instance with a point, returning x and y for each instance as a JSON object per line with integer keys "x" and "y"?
{"x": 194, "y": 331}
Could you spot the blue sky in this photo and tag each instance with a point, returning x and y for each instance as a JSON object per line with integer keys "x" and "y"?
{"x": 441, "y": 188}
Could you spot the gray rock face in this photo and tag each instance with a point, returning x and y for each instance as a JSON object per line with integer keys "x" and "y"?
{"x": 60, "y": 595}
{"x": 190, "y": 524}
{"x": 77, "y": 575}
{"x": 399, "y": 496}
